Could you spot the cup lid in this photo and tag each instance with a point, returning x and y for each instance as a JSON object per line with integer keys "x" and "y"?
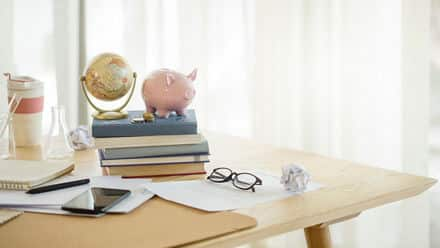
{"x": 22, "y": 82}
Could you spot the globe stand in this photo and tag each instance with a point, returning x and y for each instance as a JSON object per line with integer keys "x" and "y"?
{"x": 113, "y": 114}
{"x": 110, "y": 115}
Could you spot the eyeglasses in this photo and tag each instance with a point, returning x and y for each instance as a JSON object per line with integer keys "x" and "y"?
{"x": 244, "y": 181}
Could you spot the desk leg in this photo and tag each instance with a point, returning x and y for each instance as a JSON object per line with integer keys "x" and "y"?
{"x": 318, "y": 237}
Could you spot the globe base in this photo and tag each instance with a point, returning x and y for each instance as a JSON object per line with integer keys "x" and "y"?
{"x": 110, "y": 115}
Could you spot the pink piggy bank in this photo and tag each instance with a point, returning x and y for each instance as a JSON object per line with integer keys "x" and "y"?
{"x": 166, "y": 90}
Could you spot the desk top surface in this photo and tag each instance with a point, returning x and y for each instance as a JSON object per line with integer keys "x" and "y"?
{"x": 350, "y": 188}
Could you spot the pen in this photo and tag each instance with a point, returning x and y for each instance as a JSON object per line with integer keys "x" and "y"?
{"x": 57, "y": 186}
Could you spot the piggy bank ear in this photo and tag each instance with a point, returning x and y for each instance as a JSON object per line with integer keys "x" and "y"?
{"x": 192, "y": 76}
{"x": 170, "y": 79}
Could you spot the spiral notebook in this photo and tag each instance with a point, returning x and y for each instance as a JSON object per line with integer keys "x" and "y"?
{"x": 25, "y": 174}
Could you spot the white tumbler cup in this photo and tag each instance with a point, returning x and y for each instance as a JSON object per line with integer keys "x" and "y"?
{"x": 27, "y": 120}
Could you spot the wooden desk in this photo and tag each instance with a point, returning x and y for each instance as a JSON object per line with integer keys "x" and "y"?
{"x": 349, "y": 189}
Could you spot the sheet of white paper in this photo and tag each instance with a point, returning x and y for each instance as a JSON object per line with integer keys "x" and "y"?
{"x": 209, "y": 196}
{"x": 50, "y": 202}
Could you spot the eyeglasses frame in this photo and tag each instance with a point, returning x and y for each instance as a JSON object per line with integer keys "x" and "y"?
{"x": 233, "y": 176}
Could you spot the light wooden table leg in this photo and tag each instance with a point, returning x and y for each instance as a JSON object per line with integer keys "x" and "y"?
{"x": 318, "y": 237}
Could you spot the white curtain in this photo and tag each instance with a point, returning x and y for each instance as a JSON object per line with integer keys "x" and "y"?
{"x": 348, "y": 79}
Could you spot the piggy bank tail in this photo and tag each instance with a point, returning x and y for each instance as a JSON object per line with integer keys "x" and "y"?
{"x": 189, "y": 94}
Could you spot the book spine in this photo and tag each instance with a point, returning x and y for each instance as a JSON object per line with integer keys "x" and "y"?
{"x": 144, "y": 141}
{"x": 149, "y": 164}
{"x": 168, "y": 175}
{"x": 155, "y": 151}
{"x": 106, "y": 131}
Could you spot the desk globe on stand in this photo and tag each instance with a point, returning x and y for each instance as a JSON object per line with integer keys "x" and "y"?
{"x": 108, "y": 78}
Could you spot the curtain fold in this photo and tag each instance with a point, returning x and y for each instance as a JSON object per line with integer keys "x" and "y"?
{"x": 67, "y": 58}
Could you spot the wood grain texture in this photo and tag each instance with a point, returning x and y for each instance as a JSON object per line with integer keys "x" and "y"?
{"x": 350, "y": 188}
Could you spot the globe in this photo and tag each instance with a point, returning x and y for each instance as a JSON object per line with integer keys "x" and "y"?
{"x": 108, "y": 77}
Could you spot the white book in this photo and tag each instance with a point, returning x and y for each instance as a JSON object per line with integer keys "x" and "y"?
{"x": 142, "y": 141}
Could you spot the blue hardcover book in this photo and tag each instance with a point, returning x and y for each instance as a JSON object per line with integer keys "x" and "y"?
{"x": 173, "y": 125}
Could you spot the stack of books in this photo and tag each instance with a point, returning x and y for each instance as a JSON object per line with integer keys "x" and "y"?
{"x": 164, "y": 147}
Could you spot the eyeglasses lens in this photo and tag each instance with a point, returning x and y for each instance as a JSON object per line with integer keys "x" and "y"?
{"x": 245, "y": 180}
{"x": 220, "y": 174}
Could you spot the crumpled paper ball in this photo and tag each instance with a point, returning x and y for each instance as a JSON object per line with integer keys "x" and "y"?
{"x": 80, "y": 138}
{"x": 294, "y": 178}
